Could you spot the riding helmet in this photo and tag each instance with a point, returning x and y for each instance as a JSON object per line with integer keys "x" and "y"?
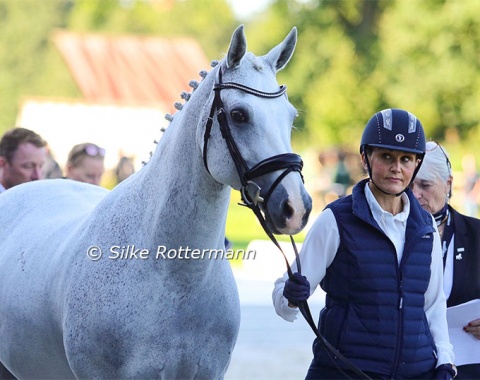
{"x": 394, "y": 129}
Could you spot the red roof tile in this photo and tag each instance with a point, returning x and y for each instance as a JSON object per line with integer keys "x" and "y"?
{"x": 130, "y": 69}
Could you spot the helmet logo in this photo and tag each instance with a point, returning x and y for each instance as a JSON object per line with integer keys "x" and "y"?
{"x": 400, "y": 138}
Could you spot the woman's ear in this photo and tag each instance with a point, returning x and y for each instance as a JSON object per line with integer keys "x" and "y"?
{"x": 449, "y": 186}
{"x": 364, "y": 162}
{"x": 68, "y": 169}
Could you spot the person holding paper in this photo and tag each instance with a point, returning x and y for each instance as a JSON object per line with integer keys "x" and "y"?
{"x": 460, "y": 235}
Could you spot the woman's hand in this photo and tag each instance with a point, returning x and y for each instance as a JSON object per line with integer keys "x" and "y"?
{"x": 473, "y": 328}
{"x": 296, "y": 290}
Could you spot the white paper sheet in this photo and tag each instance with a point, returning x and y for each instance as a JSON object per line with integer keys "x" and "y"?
{"x": 465, "y": 345}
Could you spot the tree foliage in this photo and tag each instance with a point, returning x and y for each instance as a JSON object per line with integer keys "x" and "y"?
{"x": 431, "y": 61}
{"x": 26, "y": 59}
{"x": 356, "y": 57}
{"x": 206, "y": 20}
{"x": 353, "y": 58}
{"x": 332, "y": 63}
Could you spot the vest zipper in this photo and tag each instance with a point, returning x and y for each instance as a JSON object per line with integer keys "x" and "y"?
{"x": 400, "y": 323}
{"x": 400, "y": 292}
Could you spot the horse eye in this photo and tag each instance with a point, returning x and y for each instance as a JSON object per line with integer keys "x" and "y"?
{"x": 238, "y": 116}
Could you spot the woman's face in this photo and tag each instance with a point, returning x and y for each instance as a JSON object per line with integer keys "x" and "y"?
{"x": 392, "y": 170}
{"x": 431, "y": 194}
{"x": 89, "y": 170}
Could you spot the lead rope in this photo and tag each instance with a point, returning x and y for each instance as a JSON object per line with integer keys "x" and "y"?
{"x": 331, "y": 351}
{"x": 286, "y": 161}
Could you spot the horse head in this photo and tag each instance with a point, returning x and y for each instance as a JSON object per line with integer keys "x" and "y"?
{"x": 246, "y": 140}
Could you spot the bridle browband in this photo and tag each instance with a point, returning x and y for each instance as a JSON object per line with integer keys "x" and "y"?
{"x": 251, "y": 192}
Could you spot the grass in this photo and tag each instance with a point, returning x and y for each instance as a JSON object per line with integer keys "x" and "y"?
{"x": 243, "y": 226}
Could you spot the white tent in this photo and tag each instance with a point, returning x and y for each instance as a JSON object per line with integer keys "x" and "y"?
{"x": 121, "y": 130}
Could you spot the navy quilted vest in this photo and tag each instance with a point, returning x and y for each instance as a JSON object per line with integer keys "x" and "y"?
{"x": 374, "y": 308}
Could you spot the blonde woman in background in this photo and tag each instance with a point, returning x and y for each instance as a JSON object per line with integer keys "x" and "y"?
{"x": 86, "y": 163}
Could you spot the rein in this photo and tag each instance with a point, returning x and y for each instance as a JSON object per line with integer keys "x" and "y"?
{"x": 331, "y": 351}
{"x": 251, "y": 192}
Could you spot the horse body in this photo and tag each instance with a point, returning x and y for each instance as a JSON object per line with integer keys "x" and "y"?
{"x": 33, "y": 281}
{"x": 66, "y": 314}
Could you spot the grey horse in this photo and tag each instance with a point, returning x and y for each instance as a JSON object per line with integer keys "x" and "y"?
{"x": 122, "y": 283}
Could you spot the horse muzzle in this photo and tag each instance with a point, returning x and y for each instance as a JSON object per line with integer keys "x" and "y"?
{"x": 288, "y": 207}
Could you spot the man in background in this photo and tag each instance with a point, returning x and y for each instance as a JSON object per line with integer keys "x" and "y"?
{"x": 22, "y": 156}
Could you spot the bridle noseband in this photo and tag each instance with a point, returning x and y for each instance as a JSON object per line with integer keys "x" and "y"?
{"x": 288, "y": 162}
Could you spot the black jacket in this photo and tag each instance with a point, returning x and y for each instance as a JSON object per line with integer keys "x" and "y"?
{"x": 466, "y": 273}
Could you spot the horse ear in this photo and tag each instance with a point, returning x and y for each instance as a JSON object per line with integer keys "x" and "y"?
{"x": 237, "y": 49}
{"x": 281, "y": 54}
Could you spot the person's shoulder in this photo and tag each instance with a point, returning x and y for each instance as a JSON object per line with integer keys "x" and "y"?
{"x": 326, "y": 220}
{"x": 341, "y": 206}
{"x": 468, "y": 219}
{"x": 342, "y": 201}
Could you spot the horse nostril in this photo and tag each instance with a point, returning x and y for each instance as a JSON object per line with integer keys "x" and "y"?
{"x": 287, "y": 210}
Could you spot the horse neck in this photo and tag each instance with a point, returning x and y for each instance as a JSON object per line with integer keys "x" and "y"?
{"x": 175, "y": 187}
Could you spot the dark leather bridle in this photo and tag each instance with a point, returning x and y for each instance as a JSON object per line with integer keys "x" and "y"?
{"x": 288, "y": 162}
{"x": 251, "y": 192}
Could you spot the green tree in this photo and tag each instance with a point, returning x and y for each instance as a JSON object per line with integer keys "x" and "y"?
{"x": 430, "y": 63}
{"x": 330, "y": 72}
{"x": 356, "y": 57}
{"x": 205, "y": 20}
{"x": 353, "y": 57}
{"x": 26, "y": 58}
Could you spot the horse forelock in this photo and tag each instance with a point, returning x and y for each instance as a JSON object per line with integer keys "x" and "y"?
{"x": 248, "y": 62}
{"x": 257, "y": 63}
